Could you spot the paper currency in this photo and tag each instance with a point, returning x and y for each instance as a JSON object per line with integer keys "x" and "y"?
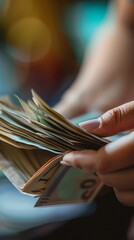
{"x": 61, "y": 190}
{"x": 33, "y": 140}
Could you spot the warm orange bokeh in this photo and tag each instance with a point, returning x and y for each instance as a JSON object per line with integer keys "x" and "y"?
{"x": 35, "y": 40}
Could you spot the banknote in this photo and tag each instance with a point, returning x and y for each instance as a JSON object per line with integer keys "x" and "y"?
{"x": 70, "y": 185}
{"x": 33, "y": 140}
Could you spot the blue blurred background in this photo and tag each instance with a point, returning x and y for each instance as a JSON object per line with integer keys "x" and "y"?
{"x": 42, "y": 44}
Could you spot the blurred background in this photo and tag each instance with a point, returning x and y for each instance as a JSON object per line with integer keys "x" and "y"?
{"x": 42, "y": 44}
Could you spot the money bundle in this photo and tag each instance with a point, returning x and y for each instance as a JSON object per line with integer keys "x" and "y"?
{"x": 33, "y": 140}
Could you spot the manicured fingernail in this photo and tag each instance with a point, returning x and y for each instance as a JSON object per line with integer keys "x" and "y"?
{"x": 90, "y": 124}
{"x": 65, "y": 163}
{"x": 68, "y": 157}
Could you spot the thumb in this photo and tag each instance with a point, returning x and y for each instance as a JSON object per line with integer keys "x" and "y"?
{"x": 116, "y": 120}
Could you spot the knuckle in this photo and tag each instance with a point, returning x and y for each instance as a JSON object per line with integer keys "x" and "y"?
{"x": 116, "y": 114}
{"x": 101, "y": 163}
{"x": 101, "y": 167}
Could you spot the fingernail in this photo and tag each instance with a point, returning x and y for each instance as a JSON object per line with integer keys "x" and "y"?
{"x": 90, "y": 124}
{"x": 67, "y": 159}
{"x": 65, "y": 163}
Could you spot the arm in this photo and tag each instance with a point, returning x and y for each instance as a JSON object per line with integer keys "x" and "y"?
{"x": 106, "y": 76}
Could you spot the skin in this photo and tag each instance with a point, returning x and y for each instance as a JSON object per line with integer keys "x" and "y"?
{"x": 114, "y": 163}
{"x": 105, "y": 81}
{"x": 106, "y": 77}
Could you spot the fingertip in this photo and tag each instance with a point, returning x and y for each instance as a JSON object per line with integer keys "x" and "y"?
{"x": 64, "y": 163}
{"x": 68, "y": 157}
{"x": 91, "y": 124}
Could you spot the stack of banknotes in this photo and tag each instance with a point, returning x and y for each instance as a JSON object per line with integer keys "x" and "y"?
{"x": 33, "y": 140}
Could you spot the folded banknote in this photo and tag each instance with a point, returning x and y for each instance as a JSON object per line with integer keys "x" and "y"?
{"x": 33, "y": 141}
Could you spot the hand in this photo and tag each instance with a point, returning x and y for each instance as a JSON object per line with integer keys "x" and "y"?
{"x": 106, "y": 78}
{"x": 114, "y": 162}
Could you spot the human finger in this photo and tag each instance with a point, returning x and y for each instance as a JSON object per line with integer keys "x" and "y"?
{"x": 125, "y": 196}
{"x": 116, "y": 120}
{"x": 112, "y": 157}
{"x": 122, "y": 179}
{"x": 70, "y": 107}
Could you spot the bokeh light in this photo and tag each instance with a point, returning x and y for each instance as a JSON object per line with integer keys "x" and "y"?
{"x": 28, "y": 40}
